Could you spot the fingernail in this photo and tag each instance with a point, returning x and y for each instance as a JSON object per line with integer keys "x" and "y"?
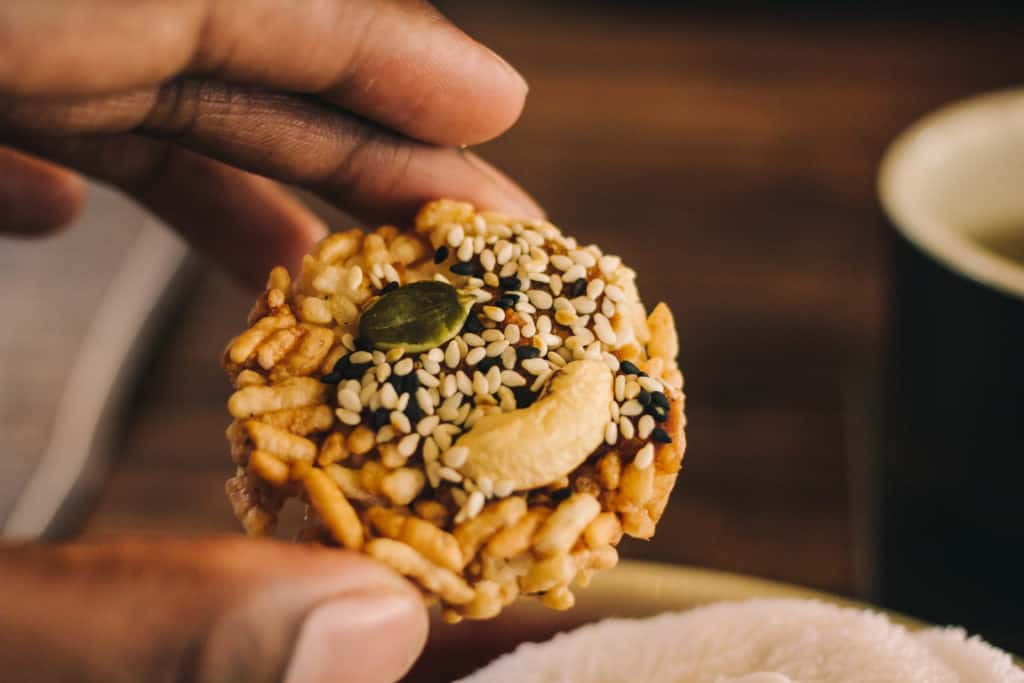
{"x": 373, "y": 637}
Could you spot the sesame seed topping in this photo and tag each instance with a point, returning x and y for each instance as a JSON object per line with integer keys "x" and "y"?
{"x": 631, "y": 408}
{"x": 441, "y": 254}
{"x": 424, "y": 401}
{"x": 540, "y": 298}
{"x": 348, "y": 417}
{"x": 455, "y": 456}
{"x": 626, "y": 427}
{"x": 451, "y": 475}
{"x": 426, "y": 378}
{"x": 390, "y": 273}
{"x": 644, "y": 457}
{"x": 403, "y": 367}
{"x": 494, "y": 313}
{"x": 400, "y": 421}
{"x": 660, "y": 435}
{"x": 349, "y": 400}
{"x": 575, "y": 273}
{"x": 360, "y": 357}
{"x": 427, "y": 425}
{"x": 629, "y": 368}
{"x": 455, "y": 236}
{"x": 614, "y": 293}
{"x": 403, "y": 401}
{"x": 539, "y": 382}
{"x": 536, "y": 366}
{"x": 611, "y": 433}
{"x": 475, "y": 355}
{"x": 452, "y": 355}
{"x": 408, "y": 443}
{"x": 561, "y": 261}
{"x": 496, "y": 348}
{"x": 645, "y": 426}
{"x": 491, "y": 280}
{"x": 479, "y": 383}
{"x": 583, "y": 305}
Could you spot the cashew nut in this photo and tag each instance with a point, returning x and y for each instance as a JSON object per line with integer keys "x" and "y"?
{"x": 537, "y": 445}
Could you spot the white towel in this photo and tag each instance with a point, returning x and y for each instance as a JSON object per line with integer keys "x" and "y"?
{"x": 757, "y": 641}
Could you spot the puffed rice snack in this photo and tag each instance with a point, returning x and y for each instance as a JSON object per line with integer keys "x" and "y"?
{"x": 479, "y": 402}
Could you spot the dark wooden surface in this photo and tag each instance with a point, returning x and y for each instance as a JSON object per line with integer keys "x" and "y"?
{"x": 731, "y": 160}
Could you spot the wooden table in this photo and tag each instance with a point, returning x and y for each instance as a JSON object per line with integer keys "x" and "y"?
{"x": 731, "y": 160}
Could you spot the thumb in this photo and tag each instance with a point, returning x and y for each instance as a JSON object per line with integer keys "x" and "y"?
{"x": 204, "y": 611}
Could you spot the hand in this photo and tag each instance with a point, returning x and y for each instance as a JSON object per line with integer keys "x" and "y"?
{"x": 215, "y": 610}
{"x": 193, "y": 106}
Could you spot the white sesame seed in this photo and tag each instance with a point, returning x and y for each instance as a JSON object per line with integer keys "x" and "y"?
{"x": 424, "y": 401}
{"x": 487, "y": 259}
{"x": 360, "y": 357}
{"x": 595, "y": 288}
{"x": 479, "y": 242}
{"x": 479, "y": 382}
{"x": 486, "y": 486}
{"x": 613, "y": 408}
{"x": 567, "y": 318}
{"x": 475, "y": 283}
{"x": 367, "y": 392}
{"x": 508, "y": 399}
{"x": 496, "y": 348}
{"x": 539, "y": 382}
{"x": 348, "y": 417}
{"x": 557, "y": 360}
{"x": 543, "y": 325}
{"x": 573, "y": 343}
{"x": 426, "y": 379}
{"x": 430, "y": 450}
{"x": 377, "y": 270}
{"x": 556, "y": 284}
{"x": 561, "y": 261}
{"x": 400, "y": 421}
{"x": 390, "y": 273}
{"x": 435, "y": 354}
{"x": 620, "y": 388}
{"x": 438, "y": 277}
{"x": 511, "y": 378}
{"x": 583, "y": 321}
{"x": 403, "y": 367}
{"x": 614, "y": 293}
{"x": 632, "y": 387}
{"x": 385, "y": 434}
{"x": 539, "y": 298}
{"x": 644, "y": 457}
{"x": 433, "y": 367}
{"x": 626, "y": 427}
{"x": 455, "y": 456}
{"x": 504, "y": 488}
{"x": 529, "y": 330}
{"x": 349, "y": 400}
{"x": 583, "y": 258}
{"x": 443, "y": 437}
{"x": 455, "y": 236}
{"x": 552, "y": 340}
{"x": 476, "y": 355}
{"x": 573, "y": 274}
{"x": 649, "y": 383}
{"x": 508, "y": 269}
{"x": 532, "y": 237}
{"x": 645, "y": 426}
{"x": 491, "y": 279}
{"x": 450, "y": 408}
{"x": 465, "y": 251}
{"x": 608, "y": 264}
{"x": 512, "y": 333}
{"x": 612, "y": 362}
{"x": 403, "y": 401}
{"x": 540, "y": 277}
{"x": 448, "y": 473}
{"x": 448, "y": 386}
{"x": 474, "y": 505}
{"x": 494, "y": 313}
{"x": 631, "y": 408}
{"x": 492, "y": 335}
{"x": 493, "y": 379}
{"x": 408, "y": 443}
{"x": 463, "y": 346}
{"x": 508, "y": 358}
{"x": 563, "y": 304}
{"x": 463, "y": 414}
{"x": 505, "y": 253}
{"x": 348, "y": 341}
{"x": 463, "y": 382}
{"x": 604, "y": 331}
{"x": 435, "y": 396}
{"x": 433, "y": 470}
{"x": 388, "y": 397}
{"x": 379, "y": 357}
{"x": 426, "y": 426}
{"x": 608, "y": 307}
{"x": 382, "y": 372}
{"x": 460, "y": 496}
{"x": 536, "y": 366}
{"x": 584, "y": 304}
{"x": 394, "y": 354}
{"x": 452, "y": 355}
{"x": 611, "y": 433}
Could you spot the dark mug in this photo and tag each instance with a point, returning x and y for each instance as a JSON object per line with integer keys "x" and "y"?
{"x": 950, "y": 479}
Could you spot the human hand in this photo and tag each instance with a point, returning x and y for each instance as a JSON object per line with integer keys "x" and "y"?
{"x": 211, "y": 610}
{"x": 192, "y": 107}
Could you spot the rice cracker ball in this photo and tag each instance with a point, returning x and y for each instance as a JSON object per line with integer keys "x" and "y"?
{"x": 480, "y": 403}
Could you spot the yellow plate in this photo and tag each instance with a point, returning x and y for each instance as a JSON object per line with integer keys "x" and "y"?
{"x": 633, "y": 589}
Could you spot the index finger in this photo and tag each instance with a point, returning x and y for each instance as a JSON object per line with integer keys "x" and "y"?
{"x": 397, "y": 62}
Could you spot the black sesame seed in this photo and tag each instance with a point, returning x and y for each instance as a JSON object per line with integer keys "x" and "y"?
{"x": 413, "y": 411}
{"x": 364, "y": 345}
{"x": 389, "y": 287}
{"x": 524, "y": 397}
{"x": 355, "y": 370}
{"x": 441, "y": 254}
{"x": 510, "y": 283}
{"x": 644, "y": 397}
{"x": 561, "y": 494}
{"x": 627, "y": 368}
{"x": 412, "y": 382}
{"x": 473, "y": 325}
{"x": 525, "y": 352}
{"x": 505, "y": 302}
{"x": 464, "y": 268}
{"x": 659, "y": 399}
{"x": 660, "y": 435}
{"x": 488, "y": 363}
{"x": 381, "y": 417}
{"x": 577, "y": 288}
{"x": 660, "y": 414}
{"x": 331, "y": 378}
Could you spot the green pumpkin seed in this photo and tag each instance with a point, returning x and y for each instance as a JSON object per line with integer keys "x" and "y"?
{"x": 416, "y": 317}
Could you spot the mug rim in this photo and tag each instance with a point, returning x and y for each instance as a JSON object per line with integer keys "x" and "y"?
{"x": 934, "y": 237}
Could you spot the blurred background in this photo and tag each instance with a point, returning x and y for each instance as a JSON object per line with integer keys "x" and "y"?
{"x": 727, "y": 151}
